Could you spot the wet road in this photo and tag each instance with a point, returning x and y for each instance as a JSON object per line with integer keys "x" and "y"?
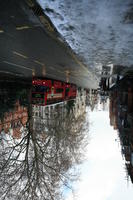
{"x": 32, "y": 47}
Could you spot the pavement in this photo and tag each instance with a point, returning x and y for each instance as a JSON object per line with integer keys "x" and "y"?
{"x": 31, "y": 46}
{"x": 99, "y": 31}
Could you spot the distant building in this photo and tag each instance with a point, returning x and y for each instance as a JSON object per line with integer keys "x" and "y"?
{"x": 14, "y": 120}
{"x": 121, "y": 118}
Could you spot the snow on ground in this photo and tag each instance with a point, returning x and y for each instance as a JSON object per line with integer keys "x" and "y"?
{"x": 100, "y": 32}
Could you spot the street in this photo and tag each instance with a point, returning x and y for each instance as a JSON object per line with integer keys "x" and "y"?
{"x": 29, "y": 49}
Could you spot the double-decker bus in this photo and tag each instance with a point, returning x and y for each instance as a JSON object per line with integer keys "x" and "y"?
{"x": 45, "y": 92}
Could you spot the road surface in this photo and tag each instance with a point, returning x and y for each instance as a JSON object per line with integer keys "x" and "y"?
{"x": 30, "y": 46}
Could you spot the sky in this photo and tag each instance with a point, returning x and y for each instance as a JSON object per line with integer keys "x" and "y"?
{"x": 103, "y": 176}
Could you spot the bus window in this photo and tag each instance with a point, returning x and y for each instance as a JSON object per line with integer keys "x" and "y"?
{"x": 59, "y": 90}
{"x": 40, "y": 88}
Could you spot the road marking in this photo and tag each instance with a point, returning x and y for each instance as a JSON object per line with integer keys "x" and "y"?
{"x": 33, "y": 72}
{"x": 5, "y": 72}
{"x": 19, "y": 54}
{"x": 40, "y": 63}
{"x": 1, "y": 31}
{"x": 43, "y": 67}
{"x": 20, "y": 66}
{"x": 19, "y": 28}
{"x": 43, "y": 71}
{"x": 52, "y": 68}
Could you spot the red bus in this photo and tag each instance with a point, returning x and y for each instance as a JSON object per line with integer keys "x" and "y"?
{"x": 45, "y": 92}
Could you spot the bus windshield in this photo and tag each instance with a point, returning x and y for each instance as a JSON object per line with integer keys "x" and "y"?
{"x": 37, "y": 95}
{"x": 38, "y": 98}
{"x": 40, "y": 88}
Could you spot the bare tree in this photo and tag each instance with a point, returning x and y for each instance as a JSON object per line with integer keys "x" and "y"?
{"x": 36, "y": 166}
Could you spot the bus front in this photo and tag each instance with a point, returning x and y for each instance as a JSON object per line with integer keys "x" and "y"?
{"x": 39, "y": 93}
